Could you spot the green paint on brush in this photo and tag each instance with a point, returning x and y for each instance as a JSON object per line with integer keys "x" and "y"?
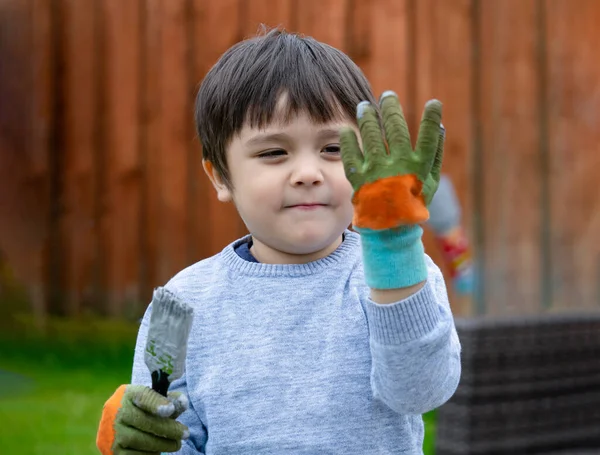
{"x": 166, "y": 345}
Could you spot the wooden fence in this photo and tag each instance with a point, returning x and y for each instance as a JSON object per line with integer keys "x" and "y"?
{"x": 101, "y": 191}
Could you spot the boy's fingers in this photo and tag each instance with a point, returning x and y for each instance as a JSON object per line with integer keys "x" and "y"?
{"x": 429, "y": 133}
{"x": 370, "y": 132}
{"x": 133, "y": 439}
{"x": 439, "y": 156}
{"x": 394, "y": 124}
{"x": 136, "y": 452}
{"x": 150, "y": 401}
{"x": 352, "y": 156}
{"x": 162, "y": 427}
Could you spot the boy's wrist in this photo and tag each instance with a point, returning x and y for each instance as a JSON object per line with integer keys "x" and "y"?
{"x": 393, "y": 258}
{"x": 406, "y": 321}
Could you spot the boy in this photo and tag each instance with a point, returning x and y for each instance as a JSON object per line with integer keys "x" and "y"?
{"x": 307, "y": 337}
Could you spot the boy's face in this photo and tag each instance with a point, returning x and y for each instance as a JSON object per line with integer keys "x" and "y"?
{"x": 289, "y": 187}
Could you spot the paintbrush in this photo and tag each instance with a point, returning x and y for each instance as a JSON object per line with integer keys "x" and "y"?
{"x": 166, "y": 346}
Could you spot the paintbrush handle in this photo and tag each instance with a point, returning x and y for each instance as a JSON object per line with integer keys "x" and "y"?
{"x": 160, "y": 382}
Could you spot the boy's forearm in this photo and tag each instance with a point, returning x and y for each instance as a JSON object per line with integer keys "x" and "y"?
{"x": 418, "y": 376}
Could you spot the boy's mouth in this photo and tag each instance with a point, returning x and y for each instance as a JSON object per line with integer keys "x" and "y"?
{"x": 306, "y": 206}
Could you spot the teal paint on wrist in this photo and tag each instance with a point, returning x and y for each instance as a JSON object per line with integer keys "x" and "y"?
{"x": 393, "y": 258}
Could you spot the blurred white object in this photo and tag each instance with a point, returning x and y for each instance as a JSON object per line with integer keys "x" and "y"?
{"x": 444, "y": 210}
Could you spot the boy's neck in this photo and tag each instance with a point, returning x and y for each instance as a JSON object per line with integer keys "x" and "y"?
{"x": 267, "y": 255}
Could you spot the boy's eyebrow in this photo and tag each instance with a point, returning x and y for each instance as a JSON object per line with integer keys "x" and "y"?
{"x": 325, "y": 133}
{"x": 261, "y": 138}
{"x": 329, "y": 133}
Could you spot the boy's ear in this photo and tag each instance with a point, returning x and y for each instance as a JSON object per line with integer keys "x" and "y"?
{"x": 223, "y": 192}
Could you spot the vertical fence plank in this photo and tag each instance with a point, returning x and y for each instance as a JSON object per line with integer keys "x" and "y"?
{"x": 358, "y": 32}
{"x": 40, "y": 122}
{"x": 324, "y": 20}
{"x": 574, "y": 119}
{"x": 198, "y": 232}
{"x": 423, "y": 83}
{"x": 512, "y": 209}
{"x": 388, "y": 67}
{"x": 442, "y": 69}
{"x": 121, "y": 155}
{"x": 56, "y": 254}
{"x": 217, "y": 27}
{"x": 26, "y": 47}
{"x": 151, "y": 147}
{"x": 176, "y": 138}
{"x": 79, "y": 103}
{"x": 265, "y": 12}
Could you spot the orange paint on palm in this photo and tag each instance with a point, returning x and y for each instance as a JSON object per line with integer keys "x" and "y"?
{"x": 106, "y": 431}
{"x": 390, "y": 202}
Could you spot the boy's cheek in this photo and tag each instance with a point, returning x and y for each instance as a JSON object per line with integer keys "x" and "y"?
{"x": 344, "y": 197}
{"x": 345, "y": 188}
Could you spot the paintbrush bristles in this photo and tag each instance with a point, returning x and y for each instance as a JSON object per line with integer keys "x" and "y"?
{"x": 170, "y": 325}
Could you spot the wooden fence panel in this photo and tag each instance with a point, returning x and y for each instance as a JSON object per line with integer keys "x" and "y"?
{"x": 150, "y": 148}
{"x": 217, "y": 26}
{"x": 442, "y": 69}
{"x": 358, "y": 32}
{"x": 121, "y": 185}
{"x": 324, "y": 20}
{"x": 574, "y": 151}
{"x": 388, "y": 66}
{"x": 256, "y": 13}
{"x": 176, "y": 138}
{"x": 40, "y": 128}
{"x": 26, "y": 132}
{"x": 510, "y": 118}
{"x": 108, "y": 197}
{"x": 79, "y": 80}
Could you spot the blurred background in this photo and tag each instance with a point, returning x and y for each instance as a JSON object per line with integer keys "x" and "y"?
{"x": 102, "y": 196}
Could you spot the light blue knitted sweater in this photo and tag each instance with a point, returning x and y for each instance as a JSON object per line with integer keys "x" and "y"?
{"x": 296, "y": 359}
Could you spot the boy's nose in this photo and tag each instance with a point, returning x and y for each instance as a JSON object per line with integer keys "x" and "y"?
{"x": 307, "y": 172}
{"x": 307, "y": 175}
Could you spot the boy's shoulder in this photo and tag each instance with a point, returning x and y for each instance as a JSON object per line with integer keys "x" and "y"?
{"x": 197, "y": 279}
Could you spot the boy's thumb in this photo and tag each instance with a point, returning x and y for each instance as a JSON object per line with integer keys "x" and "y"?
{"x": 180, "y": 402}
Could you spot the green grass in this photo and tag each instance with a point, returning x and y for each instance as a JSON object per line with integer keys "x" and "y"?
{"x": 53, "y": 385}
{"x": 429, "y": 443}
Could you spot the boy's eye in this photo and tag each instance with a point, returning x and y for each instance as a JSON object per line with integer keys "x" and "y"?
{"x": 333, "y": 149}
{"x": 272, "y": 153}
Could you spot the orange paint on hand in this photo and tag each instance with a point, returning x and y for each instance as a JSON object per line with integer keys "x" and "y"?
{"x": 106, "y": 431}
{"x": 390, "y": 202}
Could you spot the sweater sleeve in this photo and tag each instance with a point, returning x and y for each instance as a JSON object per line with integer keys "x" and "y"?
{"x": 415, "y": 349}
{"x": 198, "y": 435}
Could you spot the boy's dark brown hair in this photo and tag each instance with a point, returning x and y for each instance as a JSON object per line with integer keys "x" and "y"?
{"x": 246, "y": 82}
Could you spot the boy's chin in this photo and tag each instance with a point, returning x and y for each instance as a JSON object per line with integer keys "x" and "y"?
{"x": 306, "y": 243}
